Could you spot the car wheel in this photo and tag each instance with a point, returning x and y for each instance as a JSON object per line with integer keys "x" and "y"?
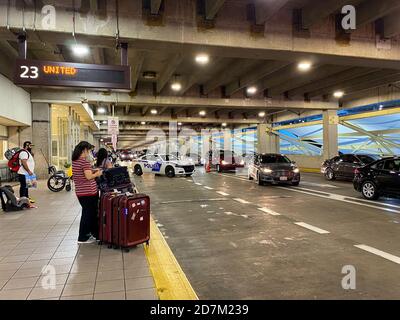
{"x": 138, "y": 170}
{"x": 295, "y": 184}
{"x": 189, "y": 175}
{"x": 170, "y": 172}
{"x": 329, "y": 174}
{"x": 369, "y": 190}
{"x": 259, "y": 181}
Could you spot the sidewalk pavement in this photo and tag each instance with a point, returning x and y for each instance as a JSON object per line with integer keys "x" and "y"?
{"x": 36, "y": 244}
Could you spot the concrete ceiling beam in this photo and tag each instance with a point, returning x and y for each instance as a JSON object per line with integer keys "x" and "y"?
{"x": 266, "y": 9}
{"x": 249, "y": 78}
{"x": 65, "y": 96}
{"x": 308, "y": 78}
{"x": 235, "y": 69}
{"x": 345, "y": 85}
{"x": 331, "y": 81}
{"x": 155, "y": 6}
{"x": 392, "y": 24}
{"x": 136, "y": 62}
{"x": 169, "y": 71}
{"x": 212, "y": 8}
{"x": 371, "y": 10}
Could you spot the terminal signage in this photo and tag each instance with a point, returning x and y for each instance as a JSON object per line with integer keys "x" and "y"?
{"x": 33, "y": 73}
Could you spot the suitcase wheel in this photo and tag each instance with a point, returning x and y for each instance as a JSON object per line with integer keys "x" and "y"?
{"x": 126, "y": 250}
{"x": 109, "y": 246}
{"x": 116, "y": 247}
{"x": 100, "y": 243}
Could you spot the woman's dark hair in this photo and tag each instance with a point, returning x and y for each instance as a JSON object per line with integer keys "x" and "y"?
{"x": 101, "y": 155}
{"x": 80, "y": 147}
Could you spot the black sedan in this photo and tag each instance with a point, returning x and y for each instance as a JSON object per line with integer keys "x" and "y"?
{"x": 381, "y": 178}
{"x": 274, "y": 168}
{"x": 344, "y": 166}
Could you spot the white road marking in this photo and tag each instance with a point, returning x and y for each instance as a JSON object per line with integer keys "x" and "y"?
{"x": 189, "y": 180}
{"x": 269, "y": 211}
{"x": 241, "y": 201}
{"x": 322, "y": 185}
{"x": 223, "y": 193}
{"x": 199, "y": 184}
{"x": 208, "y": 188}
{"x": 312, "y": 228}
{"x": 380, "y": 253}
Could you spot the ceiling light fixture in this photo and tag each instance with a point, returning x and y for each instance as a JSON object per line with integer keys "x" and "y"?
{"x": 202, "y": 58}
{"x": 251, "y": 90}
{"x": 179, "y": 123}
{"x": 261, "y": 114}
{"x": 143, "y": 123}
{"x": 202, "y": 113}
{"x": 338, "y": 94}
{"x": 149, "y": 75}
{"x": 154, "y": 111}
{"x": 80, "y": 50}
{"x": 101, "y": 110}
{"x": 224, "y": 124}
{"x": 176, "y": 86}
{"x": 104, "y": 122}
{"x": 304, "y": 65}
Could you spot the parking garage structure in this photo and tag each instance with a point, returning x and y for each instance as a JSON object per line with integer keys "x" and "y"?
{"x": 258, "y": 77}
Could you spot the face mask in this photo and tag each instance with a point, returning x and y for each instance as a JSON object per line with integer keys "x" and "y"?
{"x": 90, "y": 157}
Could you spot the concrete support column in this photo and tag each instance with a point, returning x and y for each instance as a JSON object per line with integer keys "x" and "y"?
{"x": 330, "y": 126}
{"x": 41, "y": 137}
{"x": 267, "y": 141}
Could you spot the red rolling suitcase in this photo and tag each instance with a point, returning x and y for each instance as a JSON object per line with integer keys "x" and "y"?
{"x": 133, "y": 220}
{"x": 107, "y": 201}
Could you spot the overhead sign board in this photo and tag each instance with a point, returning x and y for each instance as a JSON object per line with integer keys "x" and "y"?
{"x": 67, "y": 74}
{"x": 113, "y": 125}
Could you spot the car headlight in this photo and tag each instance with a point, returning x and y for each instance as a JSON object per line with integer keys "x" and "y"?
{"x": 266, "y": 170}
{"x": 297, "y": 170}
{"x": 224, "y": 162}
{"x": 242, "y": 162}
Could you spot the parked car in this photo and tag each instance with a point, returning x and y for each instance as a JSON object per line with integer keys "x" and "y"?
{"x": 225, "y": 160}
{"x": 126, "y": 155}
{"x": 274, "y": 168}
{"x": 344, "y": 166}
{"x": 168, "y": 165}
{"x": 379, "y": 178}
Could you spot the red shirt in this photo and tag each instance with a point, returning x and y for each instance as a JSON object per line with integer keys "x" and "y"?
{"x": 83, "y": 186}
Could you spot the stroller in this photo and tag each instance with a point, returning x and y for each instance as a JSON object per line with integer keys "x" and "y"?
{"x": 9, "y": 201}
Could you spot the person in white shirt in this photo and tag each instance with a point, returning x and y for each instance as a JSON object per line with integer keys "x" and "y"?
{"x": 27, "y": 167}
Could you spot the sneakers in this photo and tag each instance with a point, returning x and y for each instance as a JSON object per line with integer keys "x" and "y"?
{"x": 88, "y": 241}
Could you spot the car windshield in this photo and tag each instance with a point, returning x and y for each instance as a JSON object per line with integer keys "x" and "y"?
{"x": 274, "y": 159}
{"x": 169, "y": 157}
{"x": 368, "y": 159}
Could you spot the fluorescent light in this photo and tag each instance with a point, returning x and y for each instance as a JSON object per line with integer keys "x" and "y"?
{"x": 338, "y": 94}
{"x": 101, "y": 110}
{"x": 304, "y": 65}
{"x": 224, "y": 124}
{"x": 104, "y": 122}
{"x": 202, "y": 113}
{"x": 176, "y": 86}
{"x": 143, "y": 123}
{"x": 101, "y": 140}
{"x": 251, "y": 90}
{"x": 179, "y": 123}
{"x": 202, "y": 58}
{"x": 261, "y": 114}
{"x": 80, "y": 50}
{"x": 154, "y": 111}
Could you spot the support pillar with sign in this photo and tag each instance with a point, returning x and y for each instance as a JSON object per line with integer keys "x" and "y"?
{"x": 330, "y": 121}
{"x": 267, "y": 140}
{"x": 113, "y": 130}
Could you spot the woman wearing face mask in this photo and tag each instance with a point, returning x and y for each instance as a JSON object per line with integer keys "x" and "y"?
{"x": 86, "y": 191}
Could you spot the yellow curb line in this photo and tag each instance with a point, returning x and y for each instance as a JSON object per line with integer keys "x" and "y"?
{"x": 170, "y": 280}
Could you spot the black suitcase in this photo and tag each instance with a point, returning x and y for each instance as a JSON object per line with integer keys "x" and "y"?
{"x": 115, "y": 179}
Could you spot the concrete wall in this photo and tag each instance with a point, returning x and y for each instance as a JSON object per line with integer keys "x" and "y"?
{"x": 15, "y": 103}
{"x": 307, "y": 162}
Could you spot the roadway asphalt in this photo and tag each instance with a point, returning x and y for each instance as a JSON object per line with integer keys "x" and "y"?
{"x": 237, "y": 240}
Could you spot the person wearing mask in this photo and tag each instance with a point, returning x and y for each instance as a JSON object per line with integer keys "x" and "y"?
{"x": 27, "y": 168}
{"x": 87, "y": 192}
{"x": 103, "y": 161}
